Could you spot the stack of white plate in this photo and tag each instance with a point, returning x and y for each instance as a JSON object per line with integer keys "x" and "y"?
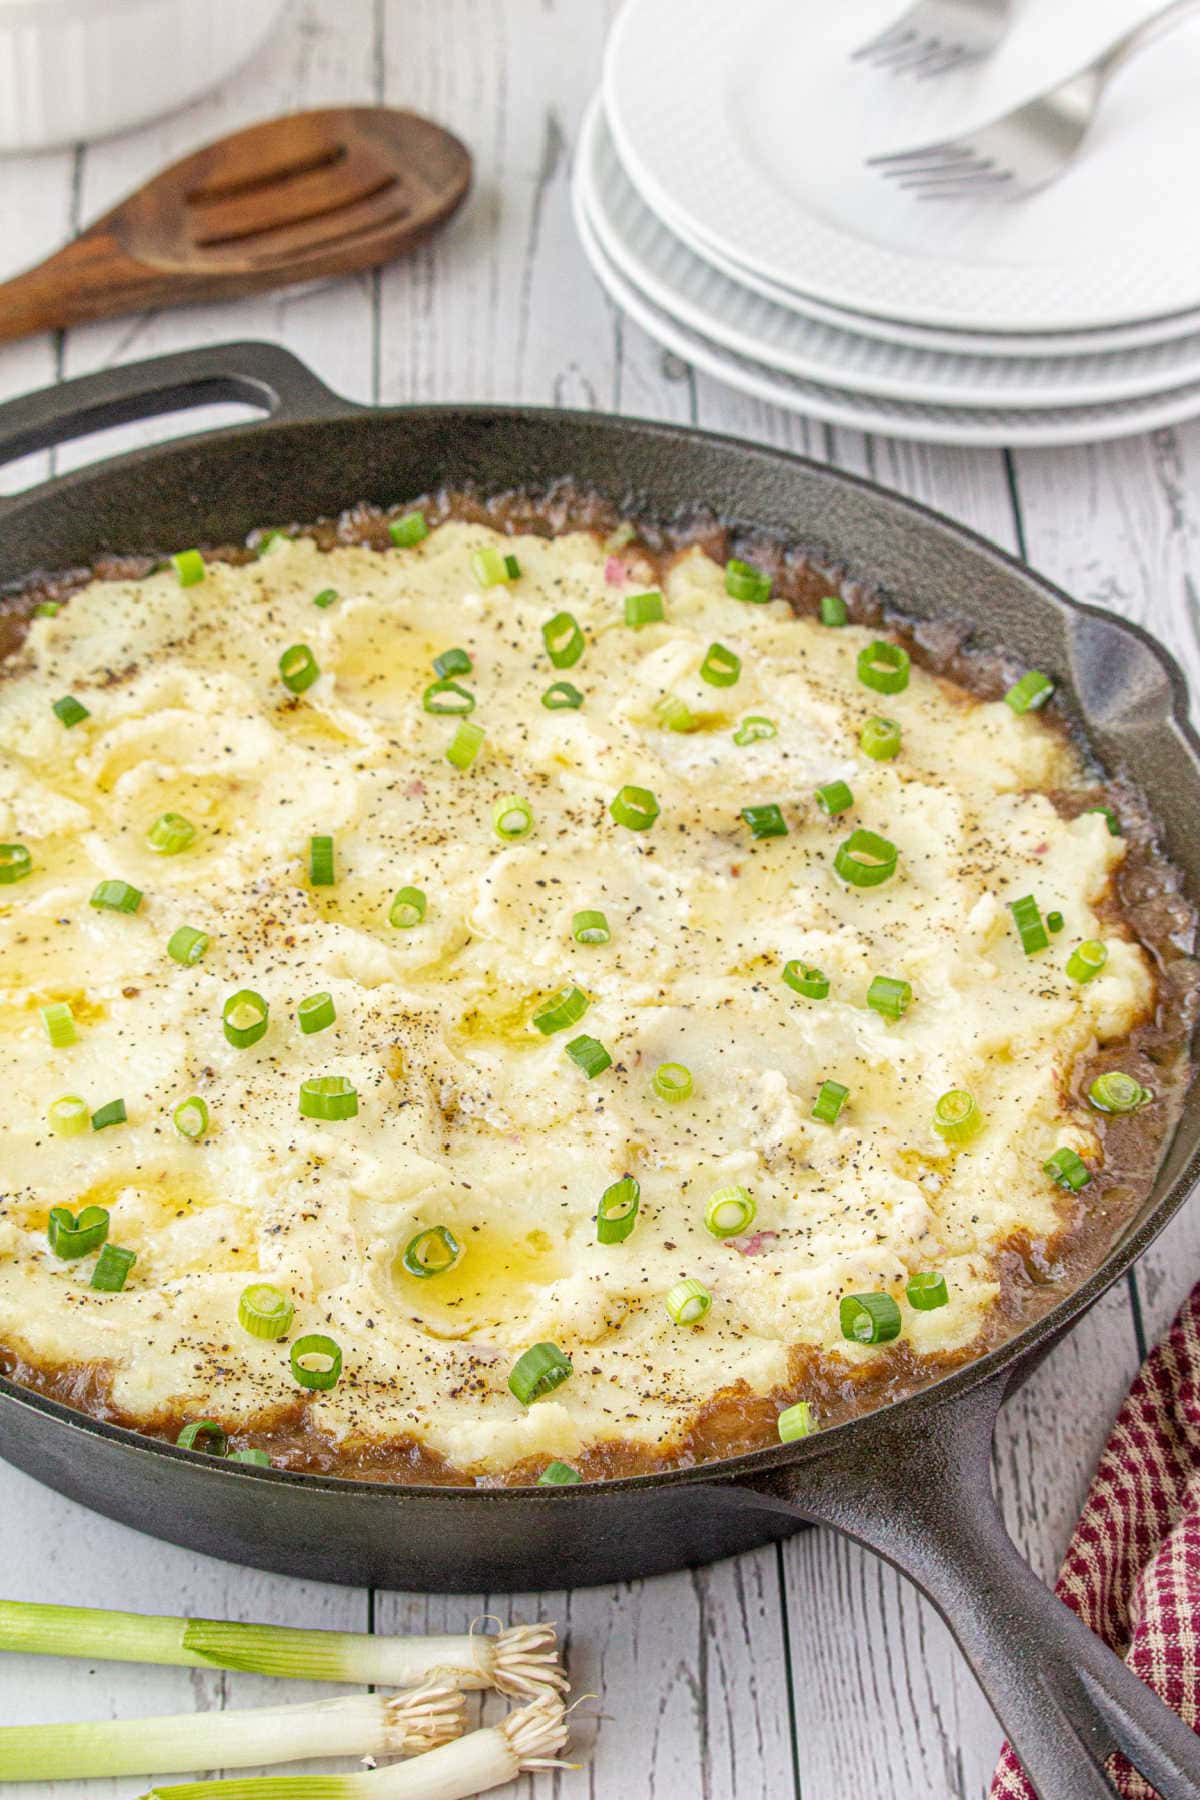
{"x": 723, "y": 199}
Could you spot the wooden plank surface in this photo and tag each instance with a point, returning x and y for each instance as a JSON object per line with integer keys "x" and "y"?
{"x": 704, "y": 1683}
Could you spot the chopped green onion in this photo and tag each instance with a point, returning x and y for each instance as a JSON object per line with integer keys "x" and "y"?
{"x": 325, "y": 598}
{"x": 72, "y": 1237}
{"x": 927, "y": 1291}
{"x": 803, "y": 979}
{"x": 1031, "y": 692}
{"x": 890, "y": 996}
{"x": 753, "y": 728}
{"x": 189, "y": 567}
{"x": 561, "y": 696}
{"x": 635, "y": 807}
{"x": 590, "y": 927}
{"x": 1028, "y": 920}
{"x": 672, "y": 1082}
{"x": 616, "y": 540}
{"x": 187, "y": 945}
{"x": 320, "y": 861}
{"x": 408, "y": 530}
{"x": 729, "y": 1212}
{"x": 880, "y": 739}
{"x": 191, "y": 1118}
{"x": 765, "y": 821}
{"x": 272, "y": 542}
{"x": 1087, "y": 959}
{"x": 538, "y": 1371}
{"x": 562, "y": 1009}
{"x": 744, "y": 582}
{"x": 111, "y": 1113}
{"x": 117, "y": 896}
{"x": 830, "y": 1101}
{"x": 512, "y": 817}
{"x": 328, "y": 1097}
{"x": 47, "y": 609}
{"x": 1068, "y": 1169}
{"x": 834, "y": 798}
{"x": 956, "y": 1117}
{"x": 204, "y": 1435}
{"x": 112, "y": 1269}
{"x": 617, "y": 1213}
{"x": 643, "y": 609}
{"x": 865, "y": 859}
{"x": 258, "y": 1459}
{"x": 298, "y": 668}
{"x": 265, "y": 1312}
{"x": 688, "y": 1302}
{"x": 316, "y": 1013}
{"x": 884, "y": 667}
{"x": 15, "y": 863}
{"x": 674, "y": 714}
{"x": 59, "y": 1021}
{"x": 70, "y": 710}
{"x": 795, "y": 1422}
{"x": 1116, "y": 1092}
{"x": 170, "y": 833}
{"x": 563, "y": 639}
{"x": 1110, "y": 818}
{"x": 559, "y": 1474}
{"x": 407, "y": 909}
{"x": 869, "y": 1318}
{"x": 68, "y": 1115}
{"x": 431, "y": 1252}
{"x": 1054, "y": 922}
{"x": 245, "y": 1016}
{"x": 465, "y": 745}
{"x": 321, "y": 1350}
{"x": 833, "y": 610}
{"x": 490, "y": 567}
{"x": 721, "y": 667}
{"x": 590, "y": 1055}
{"x": 448, "y": 698}
{"x": 451, "y": 662}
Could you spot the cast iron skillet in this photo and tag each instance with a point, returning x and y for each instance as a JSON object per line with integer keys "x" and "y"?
{"x": 911, "y": 1481}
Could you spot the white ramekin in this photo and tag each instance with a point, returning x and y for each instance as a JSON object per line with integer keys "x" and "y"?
{"x": 71, "y": 70}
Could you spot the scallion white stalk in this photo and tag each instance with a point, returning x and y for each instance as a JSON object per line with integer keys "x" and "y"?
{"x": 359, "y": 1725}
{"x": 521, "y": 1662}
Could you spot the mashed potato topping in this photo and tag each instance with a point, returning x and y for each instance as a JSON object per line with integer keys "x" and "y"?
{"x": 469, "y": 1117}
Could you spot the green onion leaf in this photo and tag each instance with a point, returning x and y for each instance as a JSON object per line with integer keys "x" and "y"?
{"x": 795, "y": 1422}
{"x": 765, "y": 821}
{"x": 111, "y": 1113}
{"x": 590, "y": 1055}
{"x": 833, "y": 610}
{"x": 245, "y": 1016}
{"x": 753, "y": 728}
{"x": 672, "y": 1082}
{"x": 298, "y": 668}
{"x": 70, "y": 710}
{"x": 170, "y": 833}
{"x": 325, "y": 598}
{"x": 490, "y": 567}
{"x": 688, "y": 1302}
{"x": 512, "y": 817}
{"x": 562, "y": 1009}
{"x": 830, "y": 1101}
{"x": 1109, "y": 816}
{"x": 265, "y": 1312}
{"x": 1116, "y": 1092}
{"x": 744, "y": 582}
{"x": 721, "y": 667}
{"x": 865, "y": 859}
{"x": 450, "y": 663}
{"x": 187, "y": 945}
{"x": 72, "y": 1237}
{"x": 559, "y": 1474}
{"x": 563, "y": 639}
{"x": 590, "y": 927}
{"x": 729, "y": 1212}
{"x": 68, "y": 1115}
{"x": 889, "y": 996}
{"x": 1028, "y": 920}
{"x": 880, "y": 739}
{"x": 204, "y": 1435}
{"x": 59, "y": 1021}
{"x": 320, "y": 861}
{"x": 408, "y": 530}
{"x": 1054, "y": 922}
{"x": 191, "y": 1118}
{"x": 117, "y": 896}
{"x": 112, "y": 1269}
{"x": 538, "y": 1371}
{"x": 643, "y": 609}
{"x": 884, "y": 667}
{"x": 635, "y": 807}
{"x": 1087, "y": 959}
{"x": 869, "y": 1318}
{"x": 1068, "y": 1169}
{"x": 617, "y": 1213}
{"x": 956, "y": 1117}
{"x": 15, "y": 864}
{"x": 328, "y": 1097}
{"x": 834, "y": 798}
{"x": 561, "y": 696}
{"x": 448, "y": 698}
{"x": 316, "y": 1362}
{"x": 407, "y": 909}
{"x": 189, "y": 567}
{"x": 1031, "y": 692}
{"x": 927, "y": 1291}
{"x": 465, "y": 745}
{"x": 316, "y": 1013}
{"x": 803, "y": 979}
{"x": 431, "y": 1252}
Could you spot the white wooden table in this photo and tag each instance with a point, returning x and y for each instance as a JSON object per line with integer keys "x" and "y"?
{"x": 810, "y": 1669}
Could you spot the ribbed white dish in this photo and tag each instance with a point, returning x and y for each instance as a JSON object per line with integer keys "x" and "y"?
{"x": 72, "y": 70}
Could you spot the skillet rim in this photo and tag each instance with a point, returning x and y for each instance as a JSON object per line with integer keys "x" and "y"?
{"x": 1005, "y": 1358}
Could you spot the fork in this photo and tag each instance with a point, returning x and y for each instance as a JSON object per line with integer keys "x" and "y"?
{"x": 1024, "y": 149}
{"x": 936, "y": 35}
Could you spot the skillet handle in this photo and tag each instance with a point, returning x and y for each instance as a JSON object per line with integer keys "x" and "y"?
{"x": 923, "y": 1500}
{"x": 259, "y": 374}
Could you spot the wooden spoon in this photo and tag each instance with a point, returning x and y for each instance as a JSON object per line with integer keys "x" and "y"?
{"x": 314, "y": 194}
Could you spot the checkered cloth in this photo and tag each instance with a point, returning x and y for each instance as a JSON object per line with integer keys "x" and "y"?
{"x": 1133, "y": 1567}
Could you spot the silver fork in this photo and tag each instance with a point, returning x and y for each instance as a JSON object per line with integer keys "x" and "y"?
{"x": 1027, "y": 147}
{"x": 936, "y": 35}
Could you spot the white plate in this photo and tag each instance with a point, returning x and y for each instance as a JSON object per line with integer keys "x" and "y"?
{"x": 750, "y": 122}
{"x": 992, "y": 427}
{"x": 698, "y": 296}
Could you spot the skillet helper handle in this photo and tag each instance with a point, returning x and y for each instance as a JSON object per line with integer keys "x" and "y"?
{"x": 924, "y": 1501}
{"x": 257, "y": 374}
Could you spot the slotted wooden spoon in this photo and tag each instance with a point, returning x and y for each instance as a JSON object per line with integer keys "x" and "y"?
{"x": 314, "y": 194}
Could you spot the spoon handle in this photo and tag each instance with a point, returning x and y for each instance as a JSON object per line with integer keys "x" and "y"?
{"x": 90, "y": 278}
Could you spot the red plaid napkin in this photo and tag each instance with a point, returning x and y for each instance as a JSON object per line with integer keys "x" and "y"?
{"x": 1133, "y": 1567}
